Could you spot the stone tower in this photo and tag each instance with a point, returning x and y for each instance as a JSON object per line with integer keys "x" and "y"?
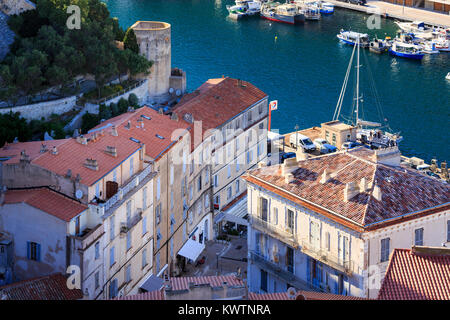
{"x": 154, "y": 42}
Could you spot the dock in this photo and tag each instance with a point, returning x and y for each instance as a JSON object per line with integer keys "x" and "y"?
{"x": 394, "y": 11}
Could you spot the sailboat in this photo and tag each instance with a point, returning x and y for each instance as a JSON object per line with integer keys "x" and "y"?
{"x": 368, "y": 133}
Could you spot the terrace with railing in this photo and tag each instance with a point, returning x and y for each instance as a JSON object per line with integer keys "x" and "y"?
{"x": 289, "y": 237}
{"x": 124, "y": 190}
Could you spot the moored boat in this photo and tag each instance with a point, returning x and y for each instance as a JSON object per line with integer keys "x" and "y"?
{"x": 406, "y": 50}
{"x": 286, "y": 13}
{"x": 326, "y": 8}
{"x": 379, "y": 45}
{"x": 351, "y": 37}
{"x": 429, "y": 47}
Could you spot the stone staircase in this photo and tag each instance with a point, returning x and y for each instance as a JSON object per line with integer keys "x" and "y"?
{"x": 6, "y": 36}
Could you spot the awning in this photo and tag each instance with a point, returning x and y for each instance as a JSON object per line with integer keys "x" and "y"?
{"x": 191, "y": 249}
{"x": 152, "y": 283}
{"x": 237, "y": 212}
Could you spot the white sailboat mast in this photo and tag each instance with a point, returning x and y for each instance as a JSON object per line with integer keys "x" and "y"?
{"x": 357, "y": 84}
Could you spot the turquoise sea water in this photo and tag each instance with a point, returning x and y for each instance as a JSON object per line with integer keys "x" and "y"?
{"x": 305, "y": 66}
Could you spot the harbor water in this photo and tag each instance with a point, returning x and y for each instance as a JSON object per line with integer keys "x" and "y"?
{"x": 303, "y": 67}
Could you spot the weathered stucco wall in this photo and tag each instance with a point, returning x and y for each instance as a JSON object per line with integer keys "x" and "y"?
{"x": 45, "y": 229}
{"x": 45, "y": 109}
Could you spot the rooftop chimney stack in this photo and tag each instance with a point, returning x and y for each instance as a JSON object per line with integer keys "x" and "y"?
{"x": 69, "y": 173}
{"x": 363, "y": 185}
{"x": 325, "y": 176}
{"x": 128, "y": 125}
{"x": 114, "y": 131}
{"x": 111, "y": 151}
{"x": 91, "y": 164}
{"x": 390, "y": 156}
{"x": 288, "y": 166}
{"x": 377, "y": 193}
{"x": 81, "y": 139}
{"x": 289, "y": 178}
{"x": 350, "y": 191}
{"x": 54, "y": 150}
{"x": 43, "y": 148}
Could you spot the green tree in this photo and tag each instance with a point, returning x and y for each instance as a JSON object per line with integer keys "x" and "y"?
{"x": 130, "y": 41}
{"x": 88, "y": 121}
{"x": 11, "y": 126}
{"x": 123, "y": 105}
{"x": 133, "y": 100}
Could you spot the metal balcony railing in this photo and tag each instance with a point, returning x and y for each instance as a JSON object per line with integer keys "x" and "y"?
{"x": 126, "y": 188}
{"x": 316, "y": 252}
{"x": 326, "y": 257}
{"x": 285, "y": 235}
{"x": 280, "y": 272}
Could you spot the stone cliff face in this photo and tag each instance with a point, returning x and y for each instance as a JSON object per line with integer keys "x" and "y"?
{"x": 11, "y": 7}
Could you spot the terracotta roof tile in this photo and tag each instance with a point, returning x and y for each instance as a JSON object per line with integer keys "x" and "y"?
{"x": 46, "y": 200}
{"x": 403, "y": 191}
{"x": 413, "y": 276}
{"x": 52, "y": 287}
{"x": 159, "y": 124}
{"x": 32, "y": 149}
{"x": 301, "y": 295}
{"x": 218, "y": 100}
{"x": 151, "y": 295}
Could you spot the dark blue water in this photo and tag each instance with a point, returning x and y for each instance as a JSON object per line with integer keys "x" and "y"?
{"x": 305, "y": 67}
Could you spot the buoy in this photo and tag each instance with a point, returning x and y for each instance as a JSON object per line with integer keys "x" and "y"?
{"x": 276, "y": 38}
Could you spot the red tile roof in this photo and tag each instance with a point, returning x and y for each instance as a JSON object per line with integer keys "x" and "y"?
{"x": 182, "y": 283}
{"x": 46, "y": 200}
{"x": 32, "y": 149}
{"x": 159, "y": 124}
{"x": 301, "y": 295}
{"x": 416, "y": 276}
{"x": 151, "y": 295}
{"x": 52, "y": 287}
{"x": 218, "y": 100}
{"x": 403, "y": 191}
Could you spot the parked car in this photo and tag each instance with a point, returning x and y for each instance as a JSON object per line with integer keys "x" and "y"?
{"x": 286, "y": 155}
{"x": 359, "y": 2}
{"x": 350, "y": 145}
{"x": 324, "y": 146}
{"x": 302, "y": 141}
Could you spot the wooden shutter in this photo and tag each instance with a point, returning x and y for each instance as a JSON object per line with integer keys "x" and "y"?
{"x": 111, "y": 188}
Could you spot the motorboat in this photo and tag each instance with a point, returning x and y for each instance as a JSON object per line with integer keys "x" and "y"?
{"x": 447, "y": 76}
{"x": 412, "y": 26}
{"x": 351, "y": 37}
{"x": 442, "y": 44}
{"x": 379, "y": 45}
{"x": 429, "y": 47}
{"x": 244, "y": 8}
{"x": 406, "y": 50}
{"x": 326, "y": 8}
{"x": 311, "y": 12}
{"x": 286, "y": 13}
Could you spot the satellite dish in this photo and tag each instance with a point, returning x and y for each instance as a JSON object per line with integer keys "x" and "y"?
{"x": 291, "y": 293}
{"x": 178, "y": 93}
{"x": 79, "y": 194}
{"x": 171, "y": 90}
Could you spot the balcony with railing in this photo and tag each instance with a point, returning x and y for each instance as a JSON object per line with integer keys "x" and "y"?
{"x": 280, "y": 272}
{"x": 125, "y": 189}
{"x": 327, "y": 257}
{"x": 285, "y": 235}
{"x": 316, "y": 252}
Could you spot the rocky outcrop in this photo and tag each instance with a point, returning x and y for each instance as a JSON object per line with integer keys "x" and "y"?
{"x": 6, "y": 35}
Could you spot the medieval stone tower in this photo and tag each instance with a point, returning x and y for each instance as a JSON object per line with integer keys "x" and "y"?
{"x": 154, "y": 41}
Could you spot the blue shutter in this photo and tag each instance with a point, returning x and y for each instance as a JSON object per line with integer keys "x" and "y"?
{"x": 28, "y": 250}
{"x": 38, "y": 252}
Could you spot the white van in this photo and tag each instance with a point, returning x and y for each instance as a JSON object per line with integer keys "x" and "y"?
{"x": 303, "y": 141}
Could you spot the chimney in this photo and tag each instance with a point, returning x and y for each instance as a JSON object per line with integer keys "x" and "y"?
{"x": 160, "y": 110}
{"x": 289, "y": 178}
{"x": 325, "y": 176}
{"x": 377, "y": 193}
{"x": 130, "y": 109}
{"x": 43, "y": 148}
{"x": 262, "y": 164}
{"x": 350, "y": 191}
{"x": 114, "y": 131}
{"x": 174, "y": 116}
{"x": 300, "y": 155}
{"x": 54, "y": 150}
{"x": 390, "y": 156}
{"x": 91, "y": 164}
{"x": 128, "y": 125}
{"x": 81, "y": 139}
{"x": 111, "y": 151}
{"x": 78, "y": 178}
{"x": 24, "y": 157}
{"x": 288, "y": 166}
{"x": 69, "y": 173}
{"x": 363, "y": 185}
